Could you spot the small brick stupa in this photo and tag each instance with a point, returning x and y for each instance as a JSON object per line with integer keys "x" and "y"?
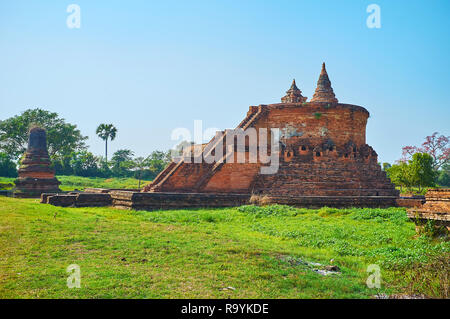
{"x": 293, "y": 95}
{"x": 35, "y": 174}
{"x": 324, "y": 92}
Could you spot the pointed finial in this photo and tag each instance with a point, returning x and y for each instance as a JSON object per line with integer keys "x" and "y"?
{"x": 324, "y": 91}
{"x": 293, "y": 84}
{"x": 293, "y": 95}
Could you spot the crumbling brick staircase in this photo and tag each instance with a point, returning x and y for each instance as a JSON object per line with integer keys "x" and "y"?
{"x": 157, "y": 184}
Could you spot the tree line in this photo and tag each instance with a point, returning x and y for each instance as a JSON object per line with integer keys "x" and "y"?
{"x": 424, "y": 166}
{"x": 68, "y": 151}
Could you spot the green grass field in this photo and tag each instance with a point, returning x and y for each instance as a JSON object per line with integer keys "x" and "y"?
{"x": 257, "y": 251}
{"x": 69, "y": 183}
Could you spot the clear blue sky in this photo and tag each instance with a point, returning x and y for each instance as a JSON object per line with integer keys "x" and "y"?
{"x": 151, "y": 66}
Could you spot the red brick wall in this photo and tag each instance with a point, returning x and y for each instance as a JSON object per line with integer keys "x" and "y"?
{"x": 341, "y": 123}
{"x": 185, "y": 178}
{"x": 232, "y": 178}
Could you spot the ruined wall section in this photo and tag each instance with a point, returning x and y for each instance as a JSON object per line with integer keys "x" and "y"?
{"x": 194, "y": 177}
{"x": 327, "y": 176}
{"x": 317, "y": 122}
{"x": 233, "y": 178}
{"x": 333, "y": 131}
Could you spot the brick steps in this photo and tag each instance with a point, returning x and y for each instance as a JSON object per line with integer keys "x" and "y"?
{"x": 152, "y": 201}
{"x": 164, "y": 173}
{"x": 247, "y": 122}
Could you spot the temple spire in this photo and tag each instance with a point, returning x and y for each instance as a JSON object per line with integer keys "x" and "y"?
{"x": 293, "y": 86}
{"x": 324, "y": 91}
{"x": 293, "y": 95}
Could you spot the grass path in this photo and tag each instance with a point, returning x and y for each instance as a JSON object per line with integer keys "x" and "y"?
{"x": 196, "y": 253}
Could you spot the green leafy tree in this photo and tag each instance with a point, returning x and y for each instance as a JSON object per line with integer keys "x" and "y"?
{"x": 421, "y": 170}
{"x": 7, "y": 166}
{"x": 63, "y": 165}
{"x": 104, "y": 169}
{"x": 157, "y": 161}
{"x": 386, "y": 166}
{"x": 437, "y": 146}
{"x": 105, "y": 132}
{"x": 122, "y": 163}
{"x": 399, "y": 175}
{"x": 84, "y": 163}
{"x": 62, "y": 138}
{"x": 444, "y": 176}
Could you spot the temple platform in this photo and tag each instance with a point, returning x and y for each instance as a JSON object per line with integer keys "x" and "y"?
{"x": 436, "y": 208}
{"x": 124, "y": 199}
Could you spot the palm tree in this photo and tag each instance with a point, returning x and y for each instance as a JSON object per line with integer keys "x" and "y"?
{"x": 105, "y": 131}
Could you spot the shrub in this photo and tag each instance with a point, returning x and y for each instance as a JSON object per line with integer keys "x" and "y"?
{"x": 7, "y": 166}
{"x": 260, "y": 200}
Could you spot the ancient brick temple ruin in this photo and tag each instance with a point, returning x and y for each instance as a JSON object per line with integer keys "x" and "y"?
{"x": 324, "y": 158}
{"x": 35, "y": 174}
{"x": 319, "y": 151}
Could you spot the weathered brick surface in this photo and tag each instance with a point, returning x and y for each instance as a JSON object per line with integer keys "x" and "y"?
{"x": 77, "y": 200}
{"x": 324, "y": 91}
{"x": 152, "y": 201}
{"x": 436, "y": 207}
{"x": 93, "y": 200}
{"x": 239, "y": 175}
{"x": 160, "y": 200}
{"x": 62, "y": 200}
{"x": 35, "y": 173}
{"x": 293, "y": 95}
{"x": 185, "y": 178}
{"x": 45, "y": 196}
{"x": 410, "y": 202}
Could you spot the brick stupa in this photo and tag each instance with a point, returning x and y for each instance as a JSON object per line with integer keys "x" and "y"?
{"x": 35, "y": 173}
{"x": 324, "y": 158}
